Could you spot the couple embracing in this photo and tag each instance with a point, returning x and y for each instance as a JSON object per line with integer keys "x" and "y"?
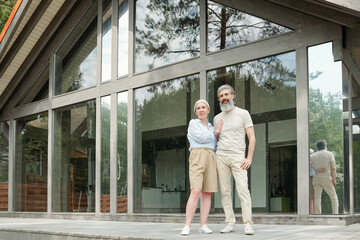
{"x": 227, "y": 139}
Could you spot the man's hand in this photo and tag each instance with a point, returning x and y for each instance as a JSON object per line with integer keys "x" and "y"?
{"x": 334, "y": 182}
{"x": 246, "y": 164}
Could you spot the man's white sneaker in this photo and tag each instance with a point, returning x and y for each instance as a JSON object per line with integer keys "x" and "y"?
{"x": 227, "y": 229}
{"x": 205, "y": 229}
{"x": 185, "y": 231}
{"x": 249, "y": 229}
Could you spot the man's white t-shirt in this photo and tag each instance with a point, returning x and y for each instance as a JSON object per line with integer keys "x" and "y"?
{"x": 232, "y": 136}
{"x": 322, "y": 159}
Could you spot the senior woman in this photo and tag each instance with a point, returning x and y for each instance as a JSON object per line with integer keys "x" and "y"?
{"x": 202, "y": 166}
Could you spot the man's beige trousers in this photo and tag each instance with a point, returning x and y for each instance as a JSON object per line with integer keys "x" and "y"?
{"x": 228, "y": 165}
{"x": 319, "y": 184}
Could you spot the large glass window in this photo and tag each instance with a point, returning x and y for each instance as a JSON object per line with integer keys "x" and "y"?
{"x": 326, "y": 123}
{"x": 31, "y": 163}
{"x": 162, "y": 113}
{"x": 122, "y": 114}
{"x": 356, "y": 141}
{"x": 267, "y": 89}
{"x": 74, "y": 158}
{"x": 228, "y": 27}
{"x": 105, "y": 153}
{"x": 75, "y": 60}
{"x": 166, "y": 32}
{"x": 106, "y": 41}
{"x": 123, "y": 38}
{"x": 4, "y": 165}
{"x": 39, "y": 89}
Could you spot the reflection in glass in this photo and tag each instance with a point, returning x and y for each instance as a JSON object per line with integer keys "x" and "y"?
{"x": 105, "y": 153}
{"x": 4, "y": 165}
{"x": 356, "y": 142}
{"x": 123, "y": 36}
{"x": 228, "y": 27}
{"x": 106, "y": 42}
{"x": 122, "y": 152}
{"x": 75, "y": 60}
{"x": 31, "y": 158}
{"x": 326, "y": 118}
{"x": 162, "y": 113}
{"x": 267, "y": 89}
{"x": 39, "y": 89}
{"x": 74, "y": 158}
{"x": 166, "y": 32}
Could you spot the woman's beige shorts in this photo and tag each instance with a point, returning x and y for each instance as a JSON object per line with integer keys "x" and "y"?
{"x": 202, "y": 170}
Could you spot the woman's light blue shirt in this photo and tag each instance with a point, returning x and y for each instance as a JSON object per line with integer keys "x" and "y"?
{"x": 200, "y": 136}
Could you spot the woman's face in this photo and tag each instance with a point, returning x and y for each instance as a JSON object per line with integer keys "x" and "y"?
{"x": 202, "y": 110}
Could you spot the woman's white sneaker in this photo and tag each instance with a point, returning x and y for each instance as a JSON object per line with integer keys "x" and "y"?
{"x": 205, "y": 229}
{"x": 185, "y": 231}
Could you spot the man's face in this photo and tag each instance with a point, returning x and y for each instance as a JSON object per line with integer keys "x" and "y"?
{"x": 226, "y": 100}
{"x": 225, "y": 96}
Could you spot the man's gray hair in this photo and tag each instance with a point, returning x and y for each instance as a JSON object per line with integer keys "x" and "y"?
{"x": 225, "y": 86}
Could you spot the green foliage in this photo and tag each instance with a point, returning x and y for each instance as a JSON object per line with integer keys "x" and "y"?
{"x": 6, "y": 7}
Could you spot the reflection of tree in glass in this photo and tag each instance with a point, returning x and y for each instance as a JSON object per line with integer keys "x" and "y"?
{"x": 228, "y": 27}
{"x": 78, "y": 82}
{"x": 170, "y": 29}
{"x": 326, "y": 122}
{"x": 105, "y": 148}
{"x": 4, "y": 160}
{"x": 270, "y": 73}
{"x": 122, "y": 149}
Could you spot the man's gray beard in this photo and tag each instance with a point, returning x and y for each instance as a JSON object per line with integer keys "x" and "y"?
{"x": 227, "y": 106}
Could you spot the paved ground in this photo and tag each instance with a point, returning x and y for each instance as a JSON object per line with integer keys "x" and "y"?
{"x": 30, "y": 228}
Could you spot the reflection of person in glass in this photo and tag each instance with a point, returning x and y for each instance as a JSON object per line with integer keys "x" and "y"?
{"x": 230, "y": 156}
{"x": 311, "y": 187}
{"x": 325, "y": 180}
{"x": 202, "y": 166}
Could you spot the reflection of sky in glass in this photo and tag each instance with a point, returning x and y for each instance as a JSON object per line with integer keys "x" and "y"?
{"x": 241, "y": 27}
{"x": 88, "y": 68}
{"x": 177, "y": 42}
{"x": 123, "y": 27}
{"x": 321, "y": 59}
{"x": 106, "y": 51}
{"x": 123, "y": 97}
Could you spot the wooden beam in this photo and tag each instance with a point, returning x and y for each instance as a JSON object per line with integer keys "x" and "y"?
{"x": 321, "y": 11}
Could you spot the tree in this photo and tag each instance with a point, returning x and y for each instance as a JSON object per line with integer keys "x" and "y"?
{"x": 6, "y": 7}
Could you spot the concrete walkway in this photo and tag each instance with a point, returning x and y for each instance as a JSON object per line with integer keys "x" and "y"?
{"x": 55, "y": 229}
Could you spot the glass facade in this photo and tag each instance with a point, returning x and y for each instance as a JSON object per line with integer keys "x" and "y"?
{"x": 41, "y": 83}
{"x": 161, "y": 73}
{"x": 31, "y": 163}
{"x": 166, "y": 32}
{"x": 355, "y": 113}
{"x": 267, "y": 89}
{"x": 123, "y": 38}
{"x": 106, "y": 41}
{"x": 74, "y": 158}
{"x": 76, "y": 59}
{"x": 4, "y": 166}
{"x": 105, "y": 153}
{"x": 228, "y": 27}
{"x": 326, "y": 123}
{"x": 162, "y": 112}
{"x": 122, "y": 157}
